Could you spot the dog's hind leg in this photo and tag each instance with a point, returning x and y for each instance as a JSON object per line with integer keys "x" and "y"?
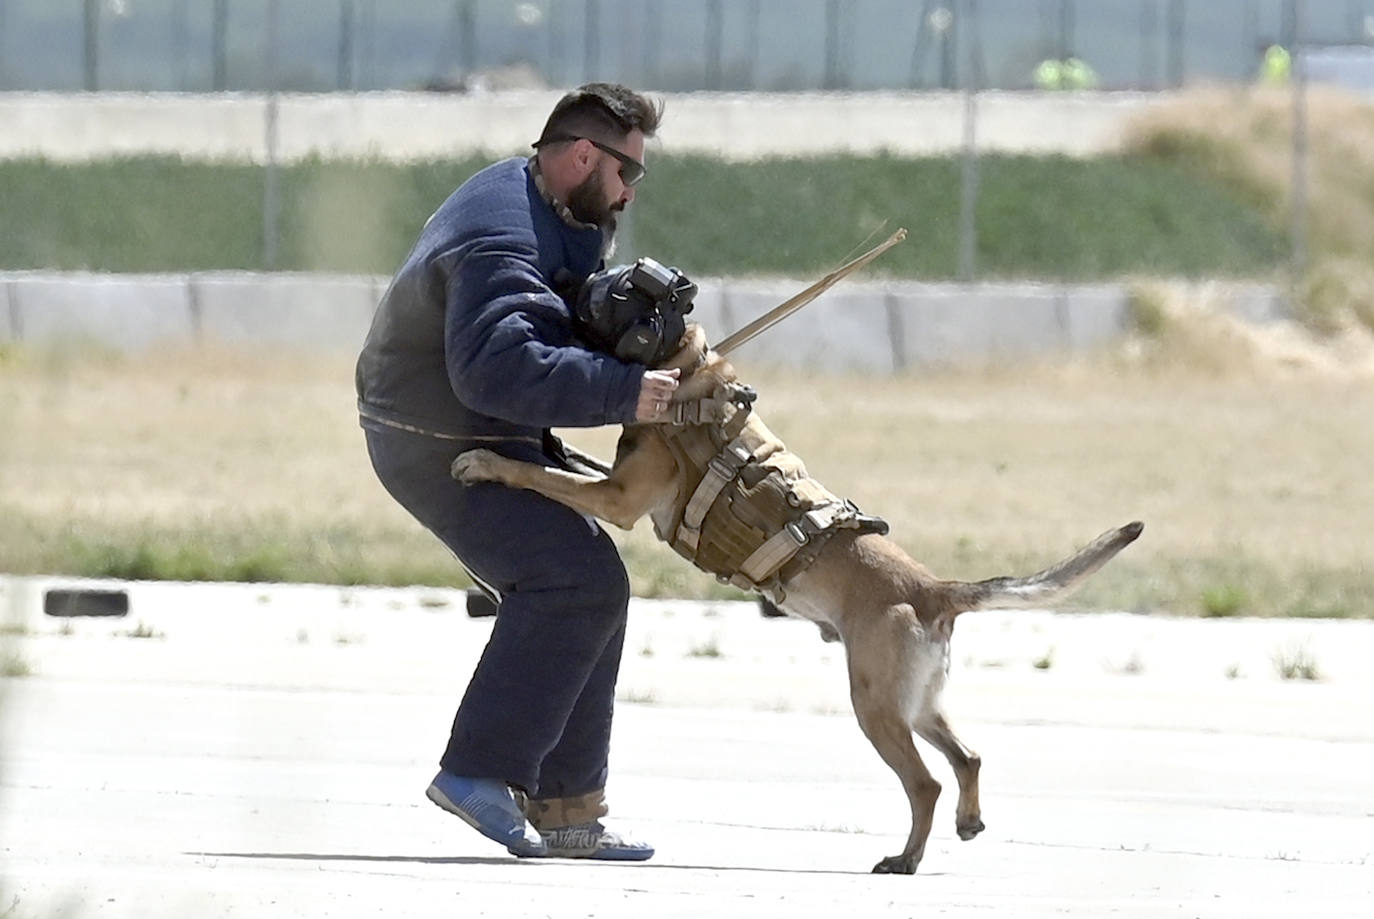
{"x": 935, "y": 730}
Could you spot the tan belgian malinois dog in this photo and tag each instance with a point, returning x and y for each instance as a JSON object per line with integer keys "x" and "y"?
{"x": 894, "y": 617}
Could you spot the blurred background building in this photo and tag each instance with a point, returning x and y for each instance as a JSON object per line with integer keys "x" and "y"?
{"x": 665, "y": 45}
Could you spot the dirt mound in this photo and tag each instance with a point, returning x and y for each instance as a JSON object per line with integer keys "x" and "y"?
{"x": 1191, "y": 327}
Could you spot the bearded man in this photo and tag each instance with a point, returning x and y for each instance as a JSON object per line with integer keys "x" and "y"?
{"x": 473, "y": 345}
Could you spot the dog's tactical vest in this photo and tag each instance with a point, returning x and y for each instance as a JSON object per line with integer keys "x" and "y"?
{"x": 754, "y": 518}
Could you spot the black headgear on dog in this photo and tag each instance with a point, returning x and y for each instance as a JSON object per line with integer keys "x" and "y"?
{"x": 635, "y": 311}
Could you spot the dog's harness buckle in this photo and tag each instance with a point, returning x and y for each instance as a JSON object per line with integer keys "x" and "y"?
{"x": 715, "y": 408}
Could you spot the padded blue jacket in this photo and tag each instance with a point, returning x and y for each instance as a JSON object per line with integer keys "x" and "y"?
{"x": 471, "y": 342}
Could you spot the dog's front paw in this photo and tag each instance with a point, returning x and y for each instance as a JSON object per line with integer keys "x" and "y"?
{"x": 476, "y": 466}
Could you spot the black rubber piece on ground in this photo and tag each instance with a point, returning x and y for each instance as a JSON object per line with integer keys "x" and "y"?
{"x": 69, "y": 603}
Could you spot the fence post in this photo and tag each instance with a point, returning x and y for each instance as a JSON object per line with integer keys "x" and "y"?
{"x": 219, "y": 39}
{"x": 467, "y": 40}
{"x": 91, "y": 46}
{"x": 270, "y": 204}
{"x": 367, "y": 50}
{"x": 715, "y": 36}
{"x": 948, "y": 30}
{"x": 1066, "y": 21}
{"x": 1300, "y": 176}
{"x": 181, "y": 37}
{"x": 751, "y": 81}
{"x": 831, "y": 79}
{"x": 968, "y": 186}
{"x": 344, "y": 80}
{"x": 651, "y": 26}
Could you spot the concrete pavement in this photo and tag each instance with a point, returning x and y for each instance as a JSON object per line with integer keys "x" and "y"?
{"x": 262, "y": 751}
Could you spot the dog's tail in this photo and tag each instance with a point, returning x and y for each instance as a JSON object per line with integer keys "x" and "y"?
{"x": 1044, "y": 587}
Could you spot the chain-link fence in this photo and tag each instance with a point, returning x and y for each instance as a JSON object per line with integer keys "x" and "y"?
{"x": 664, "y": 45}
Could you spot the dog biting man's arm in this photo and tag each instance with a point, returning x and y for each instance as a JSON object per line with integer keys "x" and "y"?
{"x": 711, "y": 481}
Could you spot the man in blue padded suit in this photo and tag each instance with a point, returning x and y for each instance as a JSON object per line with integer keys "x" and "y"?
{"x": 473, "y": 346}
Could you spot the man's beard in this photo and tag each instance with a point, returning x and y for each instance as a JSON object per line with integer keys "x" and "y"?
{"x": 587, "y": 202}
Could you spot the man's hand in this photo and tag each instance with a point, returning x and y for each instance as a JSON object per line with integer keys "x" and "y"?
{"x": 655, "y": 393}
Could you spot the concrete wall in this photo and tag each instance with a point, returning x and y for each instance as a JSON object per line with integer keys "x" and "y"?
{"x": 407, "y": 126}
{"x": 875, "y": 327}
{"x": 860, "y": 325}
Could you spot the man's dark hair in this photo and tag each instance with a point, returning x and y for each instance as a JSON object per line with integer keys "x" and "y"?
{"x": 601, "y": 111}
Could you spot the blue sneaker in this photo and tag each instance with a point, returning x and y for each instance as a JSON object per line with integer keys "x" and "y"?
{"x": 486, "y": 805}
{"x": 592, "y": 840}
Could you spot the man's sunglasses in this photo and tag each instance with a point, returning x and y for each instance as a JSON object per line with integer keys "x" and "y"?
{"x": 631, "y": 169}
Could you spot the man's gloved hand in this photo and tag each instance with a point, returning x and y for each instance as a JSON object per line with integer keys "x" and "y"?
{"x": 655, "y": 394}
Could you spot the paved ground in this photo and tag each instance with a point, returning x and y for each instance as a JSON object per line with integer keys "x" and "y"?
{"x": 263, "y": 752}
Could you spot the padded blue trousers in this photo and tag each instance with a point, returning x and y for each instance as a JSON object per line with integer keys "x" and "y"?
{"x": 537, "y": 712}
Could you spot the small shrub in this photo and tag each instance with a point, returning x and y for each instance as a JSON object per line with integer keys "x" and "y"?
{"x": 144, "y": 630}
{"x": 12, "y": 665}
{"x": 1295, "y": 662}
{"x": 1149, "y": 315}
{"x": 1222, "y": 600}
{"x": 1044, "y": 661}
{"x": 708, "y": 648}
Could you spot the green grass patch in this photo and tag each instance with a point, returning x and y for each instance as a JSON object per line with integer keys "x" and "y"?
{"x": 1223, "y": 600}
{"x": 1038, "y": 217}
{"x": 269, "y": 548}
{"x": 160, "y": 213}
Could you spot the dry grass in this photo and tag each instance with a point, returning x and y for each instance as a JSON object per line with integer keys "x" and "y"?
{"x": 1244, "y": 136}
{"x": 1250, "y": 470}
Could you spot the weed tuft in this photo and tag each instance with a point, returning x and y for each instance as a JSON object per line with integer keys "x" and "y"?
{"x": 144, "y": 630}
{"x": 637, "y": 696}
{"x": 708, "y": 648}
{"x": 12, "y": 665}
{"x": 1294, "y": 661}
